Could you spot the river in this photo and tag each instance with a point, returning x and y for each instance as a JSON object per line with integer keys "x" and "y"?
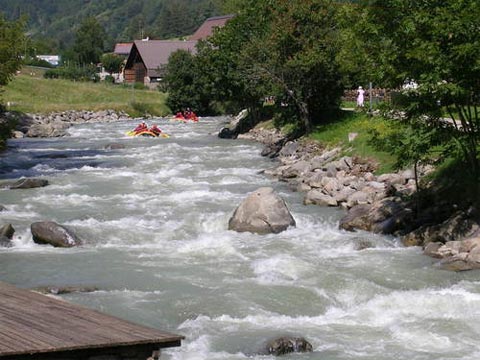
{"x": 153, "y": 217}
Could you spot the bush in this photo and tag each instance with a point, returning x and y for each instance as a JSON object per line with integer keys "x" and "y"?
{"x": 38, "y": 62}
{"x": 109, "y": 79}
{"x": 76, "y": 73}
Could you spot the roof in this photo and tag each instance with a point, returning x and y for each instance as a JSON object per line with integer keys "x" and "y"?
{"x": 155, "y": 53}
{"x": 32, "y": 323}
{"x": 207, "y": 28}
{"x": 123, "y": 48}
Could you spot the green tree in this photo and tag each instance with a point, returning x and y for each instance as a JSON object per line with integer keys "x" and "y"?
{"x": 89, "y": 42}
{"x": 184, "y": 83}
{"x": 434, "y": 43}
{"x": 12, "y": 46}
{"x": 112, "y": 63}
{"x": 296, "y": 56}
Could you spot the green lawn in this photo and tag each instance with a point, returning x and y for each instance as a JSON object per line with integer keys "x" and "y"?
{"x": 30, "y": 92}
{"x": 337, "y": 133}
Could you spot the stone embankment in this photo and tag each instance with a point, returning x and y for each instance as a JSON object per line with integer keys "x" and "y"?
{"x": 377, "y": 203}
{"x": 56, "y": 124}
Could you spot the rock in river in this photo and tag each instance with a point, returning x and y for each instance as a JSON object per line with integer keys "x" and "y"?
{"x": 262, "y": 212}
{"x": 49, "y": 232}
{"x": 288, "y": 344}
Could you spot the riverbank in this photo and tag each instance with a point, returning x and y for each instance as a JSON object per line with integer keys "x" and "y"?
{"x": 386, "y": 204}
{"x": 30, "y": 93}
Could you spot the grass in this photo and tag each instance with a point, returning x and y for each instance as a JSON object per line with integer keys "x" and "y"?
{"x": 336, "y": 133}
{"x": 30, "y": 92}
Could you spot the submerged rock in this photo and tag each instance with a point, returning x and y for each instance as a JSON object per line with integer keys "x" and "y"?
{"x": 49, "y": 232}
{"x": 115, "y": 146}
{"x": 262, "y": 212}
{"x": 60, "y": 290}
{"x": 28, "y": 183}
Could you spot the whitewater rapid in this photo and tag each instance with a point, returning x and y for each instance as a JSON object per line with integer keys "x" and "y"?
{"x": 153, "y": 217}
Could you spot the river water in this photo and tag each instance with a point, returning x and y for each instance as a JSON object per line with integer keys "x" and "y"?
{"x": 153, "y": 217}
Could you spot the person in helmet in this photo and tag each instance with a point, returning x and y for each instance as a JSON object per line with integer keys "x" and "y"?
{"x": 155, "y": 129}
{"x": 141, "y": 127}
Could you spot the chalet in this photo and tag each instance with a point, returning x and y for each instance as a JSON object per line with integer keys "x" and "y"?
{"x": 207, "y": 28}
{"x": 148, "y": 58}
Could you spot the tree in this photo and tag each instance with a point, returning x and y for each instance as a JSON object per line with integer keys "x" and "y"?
{"x": 296, "y": 56}
{"x": 435, "y": 43}
{"x": 184, "y": 83}
{"x": 89, "y": 42}
{"x": 12, "y": 46}
{"x": 112, "y": 63}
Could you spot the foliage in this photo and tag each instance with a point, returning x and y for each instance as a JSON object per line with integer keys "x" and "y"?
{"x": 434, "y": 43}
{"x": 279, "y": 49}
{"x": 296, "y": 58}
{"x": 53, "y": 23}
{"x": 73, "y": 72}
{"x": 112, "y": 63}
{"x": 11, "y": 41}
{"x": 89, "y": 42}
{"x": 179, "y": 81}
{"x": 34, "y": 94}
{"x": 37, "y": 62}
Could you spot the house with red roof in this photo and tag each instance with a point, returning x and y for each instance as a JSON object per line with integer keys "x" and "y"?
{"x": 147, "y": 59}
{"x": 208, "y": 27}
{"x": 123, "y": 49}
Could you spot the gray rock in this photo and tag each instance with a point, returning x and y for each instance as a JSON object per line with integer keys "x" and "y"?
{"x": 455, "y": 228}
{"x": 356, "y": 218}
{"x": 287, "y": 344}
{"x": 7, "y": 231}
{"x": 317, "y": 197}
{"x": 298, "y": 168}
{"x": 262, "y": 212}
{"x": 27, "y": 183}
{"x": 432, "y": 249}
{"x": 49, "y": 232}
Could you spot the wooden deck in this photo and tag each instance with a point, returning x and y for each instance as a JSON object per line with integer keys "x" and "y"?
{"x": 41, "y": 327}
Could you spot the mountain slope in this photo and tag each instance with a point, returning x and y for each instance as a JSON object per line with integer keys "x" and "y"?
{"x": 55, "y": 22}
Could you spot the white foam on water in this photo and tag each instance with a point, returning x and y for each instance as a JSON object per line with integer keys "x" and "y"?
{"x": 280, "y": 270}
{"x": 208, "y": 246}
{"x": 69, "y": 199}
{"x": 43, "y": 168}
{"x": 19, "y": 212}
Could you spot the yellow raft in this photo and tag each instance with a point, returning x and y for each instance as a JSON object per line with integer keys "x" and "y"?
{"x": 147, "y": 133}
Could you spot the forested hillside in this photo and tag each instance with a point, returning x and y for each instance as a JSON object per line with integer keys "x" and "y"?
{"x": 53, "y": 23}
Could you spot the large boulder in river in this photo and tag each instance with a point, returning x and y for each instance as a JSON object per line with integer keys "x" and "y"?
{"x": 287, "y": 344}
{"x": 262, "y": 212}
{"x": 49, "y": 232}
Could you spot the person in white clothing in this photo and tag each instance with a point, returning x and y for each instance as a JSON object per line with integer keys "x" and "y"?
{"x": 360, "y": 97}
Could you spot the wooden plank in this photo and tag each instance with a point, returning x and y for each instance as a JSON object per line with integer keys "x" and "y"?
{"x": 35, "y": 323}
